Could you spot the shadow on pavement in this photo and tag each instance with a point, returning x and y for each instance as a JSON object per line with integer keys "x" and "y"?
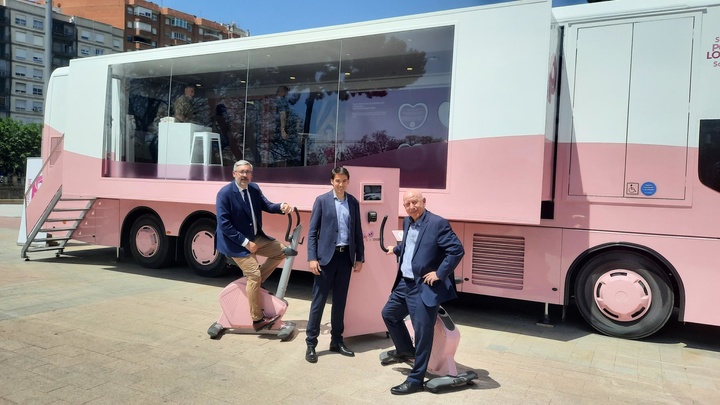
{"x": 494, "y": 313}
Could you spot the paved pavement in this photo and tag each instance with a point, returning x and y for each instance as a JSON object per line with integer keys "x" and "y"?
{"x": 87, "y": 329}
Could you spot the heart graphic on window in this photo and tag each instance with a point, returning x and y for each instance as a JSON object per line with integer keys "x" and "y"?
{"x": 412, "y": 116}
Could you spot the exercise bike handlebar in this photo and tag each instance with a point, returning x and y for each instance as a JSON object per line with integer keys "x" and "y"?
{"x": 382, "y": 233}
{"x": 288, "y": 232}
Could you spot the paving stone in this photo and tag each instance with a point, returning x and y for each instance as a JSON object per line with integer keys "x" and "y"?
{"x": 88, "y": 329}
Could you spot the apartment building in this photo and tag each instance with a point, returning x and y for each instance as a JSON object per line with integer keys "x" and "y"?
{"x": 147, "y": 25}
{"x": 22, "y": 52}
{"x": 96, "y": 38}
{"x": 82, "y": 29}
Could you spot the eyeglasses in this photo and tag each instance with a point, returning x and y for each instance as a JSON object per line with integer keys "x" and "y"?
{"x": 242, "y": 171}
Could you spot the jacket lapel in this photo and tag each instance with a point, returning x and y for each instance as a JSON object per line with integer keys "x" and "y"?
{"x": 333, "y": 211}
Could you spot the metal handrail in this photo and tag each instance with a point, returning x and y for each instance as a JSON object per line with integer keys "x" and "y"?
{"x": 52, "y": 152}
{"x": 38, "y": 225}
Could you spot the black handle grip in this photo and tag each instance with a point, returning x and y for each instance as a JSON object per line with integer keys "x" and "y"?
{"x": 289, "y": 226}
{"x": 382, "y": 233}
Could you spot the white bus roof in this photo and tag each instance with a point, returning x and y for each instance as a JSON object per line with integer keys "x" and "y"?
{"x": 618, "y": 8}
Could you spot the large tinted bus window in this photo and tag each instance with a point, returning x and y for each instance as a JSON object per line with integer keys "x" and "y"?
{"x": 294, "y": 111}
{"x": 292, "y": 105}
{"x": 394, "y": 104}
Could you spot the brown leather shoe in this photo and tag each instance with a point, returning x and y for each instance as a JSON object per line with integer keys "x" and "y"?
{"x": 265, "y": 323}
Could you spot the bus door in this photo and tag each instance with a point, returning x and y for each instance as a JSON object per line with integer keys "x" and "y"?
{"x": 377, "y": 189}
{"x": 631, "y": 92}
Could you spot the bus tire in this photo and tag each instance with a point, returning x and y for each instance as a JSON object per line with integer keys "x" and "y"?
{"x": 148, "y": 243}
{"x": 624, "y": 294}
{"x": 199, "y": 248}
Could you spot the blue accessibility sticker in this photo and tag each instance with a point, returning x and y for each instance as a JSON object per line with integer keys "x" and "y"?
{"x": 648, "y": 188}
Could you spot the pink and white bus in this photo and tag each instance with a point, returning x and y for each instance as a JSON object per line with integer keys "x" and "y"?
{"x": 576, "y": 151}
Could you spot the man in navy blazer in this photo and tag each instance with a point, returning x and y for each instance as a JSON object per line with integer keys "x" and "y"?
{"x": 239, "y": 235}
{"x": 335, "y": 249}
{"x": 428, "y": 255}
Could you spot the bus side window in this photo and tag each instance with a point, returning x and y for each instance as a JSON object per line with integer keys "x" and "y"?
{"x": 709, "y": 154}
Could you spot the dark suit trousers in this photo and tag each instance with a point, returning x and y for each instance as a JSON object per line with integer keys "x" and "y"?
{"x": 334, "y": 276}
{"x": 405, "y": 300}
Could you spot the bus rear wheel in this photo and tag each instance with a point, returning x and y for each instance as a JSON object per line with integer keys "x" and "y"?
{"x": 200, "y": 250}
{"x": 624, "y": 294}
{"x": 149, "y": 245}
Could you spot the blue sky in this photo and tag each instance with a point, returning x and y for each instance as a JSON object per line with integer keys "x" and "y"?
{"x": 272, "y": 16}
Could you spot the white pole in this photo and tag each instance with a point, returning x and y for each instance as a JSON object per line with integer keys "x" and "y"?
{"x": 48, "y": 44}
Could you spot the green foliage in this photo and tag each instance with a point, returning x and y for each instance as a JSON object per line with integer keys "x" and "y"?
{"x": 18, "y": 141}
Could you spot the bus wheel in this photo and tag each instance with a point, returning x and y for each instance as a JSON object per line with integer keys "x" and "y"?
{"x": 200, "y": 250}
{"x": 149, "y": 245}
{"x": 624, "y": 294}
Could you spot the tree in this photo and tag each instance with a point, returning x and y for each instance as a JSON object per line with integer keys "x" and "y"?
{"x": 18, "y": 141}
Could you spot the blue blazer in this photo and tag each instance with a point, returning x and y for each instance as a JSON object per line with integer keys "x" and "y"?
{"x": 323, "y": 229}
{"x": 234, "y": 221}
{"x": 437, "y": 249}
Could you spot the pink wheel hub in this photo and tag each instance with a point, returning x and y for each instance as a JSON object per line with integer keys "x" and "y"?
{"x": 203, "y": 247}
{"x": 622, "y": 295}
{"x": 147, "y": 241}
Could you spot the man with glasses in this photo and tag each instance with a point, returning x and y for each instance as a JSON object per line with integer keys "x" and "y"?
{"x": 239, "y": 235}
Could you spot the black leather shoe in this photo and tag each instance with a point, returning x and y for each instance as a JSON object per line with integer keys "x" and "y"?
{"x": 406, "y": 388}
{"x": 342, "y": 349}
{"x": 394, "y": 357}
{"x": 310, "y": 355}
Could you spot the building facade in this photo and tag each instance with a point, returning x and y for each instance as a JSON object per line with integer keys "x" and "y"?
{"x": 147, "y": 25}
{"x": 83, "y": 28}
{"x": 22, "y": 52}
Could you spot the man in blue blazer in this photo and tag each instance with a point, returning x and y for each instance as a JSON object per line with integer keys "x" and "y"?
{"x": 335, "y": 250}
{"x": 428, "y": 255}
{"x": 239, "y": 235}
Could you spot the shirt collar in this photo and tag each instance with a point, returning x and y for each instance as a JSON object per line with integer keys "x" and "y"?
{"x": 419, "y": 221}
{"x": 240, "y": 188}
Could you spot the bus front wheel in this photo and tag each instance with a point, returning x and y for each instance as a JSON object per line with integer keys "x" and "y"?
{"x": 200, "y": 250}
{"x": 149, "y": 245}
{"x": 624, "y": 294}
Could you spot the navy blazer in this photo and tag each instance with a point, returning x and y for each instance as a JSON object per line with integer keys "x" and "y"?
{"x": 437, "y": 249}
{"x": 234, "y": 221}
{"x": 322, "y": 233}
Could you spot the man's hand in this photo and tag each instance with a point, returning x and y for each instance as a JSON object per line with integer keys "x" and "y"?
{"x": 391, "y": 250}
{"x": 358, "y": 266}
{"x": 430, "y": 278}
{"x": 314, "y": 267}
{"x": 252, "y": 247}
{"x": 286, "y": 208}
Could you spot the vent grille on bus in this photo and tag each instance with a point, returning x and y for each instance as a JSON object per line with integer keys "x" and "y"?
{"x": 498, "y": 261}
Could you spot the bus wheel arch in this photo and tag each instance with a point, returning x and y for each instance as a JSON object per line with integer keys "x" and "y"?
{"x": 624, "y": 290}
{"x": 198, "y": 241}
{"x": 145, "y": 236}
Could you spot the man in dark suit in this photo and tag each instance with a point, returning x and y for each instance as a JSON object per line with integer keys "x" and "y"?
{"x": 428, "y": 253}
{"x": 335, "y": 250}
{"x": 239, "y": 235}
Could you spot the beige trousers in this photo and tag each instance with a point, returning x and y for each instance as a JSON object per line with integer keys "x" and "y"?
{"x": 256, "y": 273}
